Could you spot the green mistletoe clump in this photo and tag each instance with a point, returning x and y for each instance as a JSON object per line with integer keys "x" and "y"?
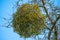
{"x": 28, "y": 20}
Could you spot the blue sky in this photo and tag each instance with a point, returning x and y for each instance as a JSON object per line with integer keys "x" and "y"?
{"x": 6, "y": 11}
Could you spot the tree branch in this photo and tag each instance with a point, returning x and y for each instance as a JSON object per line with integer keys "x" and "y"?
{"x": 56, "y": 33}
{"x": 46, "y": 11}
{"x": 54, "y": 24}
{"x": 47, "y": 27}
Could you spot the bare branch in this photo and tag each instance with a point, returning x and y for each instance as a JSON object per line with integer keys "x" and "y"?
{"x": 47, "y": 27}
{"x": 56, "y": 33}
{"x": 54, "y": 24}
{"x": 47, "y": 13}
{"x": 17, "y": 3}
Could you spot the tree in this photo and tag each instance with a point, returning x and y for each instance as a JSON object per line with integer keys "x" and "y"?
{"x": 49, "y": 14}
{"x": 52, "y": 14}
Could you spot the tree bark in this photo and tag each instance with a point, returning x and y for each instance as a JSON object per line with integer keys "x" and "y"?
{"x": 56, "y": 33}
{"x": 54, "y": 25}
